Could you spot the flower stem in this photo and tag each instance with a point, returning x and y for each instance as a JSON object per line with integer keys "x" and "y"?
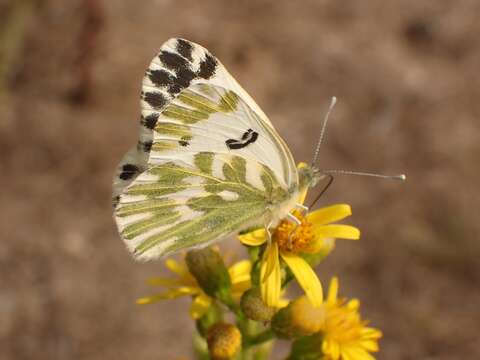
{"x": 260, "y": 338}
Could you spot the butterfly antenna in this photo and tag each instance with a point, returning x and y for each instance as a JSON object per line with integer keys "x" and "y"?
{"x": 322, "y": 132}
{"x": 325, "y": 188}
{"x": 401, "y": 177}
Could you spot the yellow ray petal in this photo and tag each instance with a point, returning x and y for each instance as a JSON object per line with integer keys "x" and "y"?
{"x": 155, "y": 298}
{"x": 253, "y": 238}
{"x": 186, "y": 290}
{"x": 332, "y": 291}
{"x": 329, "y": 214}
{"x": 369, "y": 345}
{"x": 240, "y": 287}
{"x": 161, "y": 281}
{"x": 306, "y": 277}
{"x": 270, "y": 258}
{"x": 175, "y": 267}
{"x": 200, "y": 305}
{"x": 270, "y": 287}
{"x": 371, "y": 333}
{"x": 320, "y": 244}
{"x": 337, "y": 231}
{"x": 240, "y": 270}
{"x": 353, "y": 304}
{"x": 356, "y": 353}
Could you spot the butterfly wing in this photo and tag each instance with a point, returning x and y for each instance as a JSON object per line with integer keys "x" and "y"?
{"x": 179, "y": 65}
{"x": 191, "y": 105}
{"x": 176, "y": 205}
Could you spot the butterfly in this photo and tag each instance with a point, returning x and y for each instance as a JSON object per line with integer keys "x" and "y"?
{"x": 208, "y": 163}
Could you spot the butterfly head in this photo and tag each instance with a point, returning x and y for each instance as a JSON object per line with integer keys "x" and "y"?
{"x": 309, "y": 176}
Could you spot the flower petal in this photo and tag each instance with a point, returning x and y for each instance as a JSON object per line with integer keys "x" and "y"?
{"x": 306, "y": 277}
{"x": 270, "y": 286}
{"x": 329, "y": 214}
{"x": 320, "y": 244}
{"x": 332, "y": 291}
{"x": 270, "y": 258}
{"x": 240, "y": 277}
{"x": 353, "y": 304}
{"x": 172, "y": 294}
{"x": 337, "y": 231}
{"x": 240, "y": 270}
{"x": 175, "y": 267}
{"x": 200, "y": 305}
{"x": 253, "y": 238}
{"x": 240, "y": 287}
{"x": 161, "y": 281}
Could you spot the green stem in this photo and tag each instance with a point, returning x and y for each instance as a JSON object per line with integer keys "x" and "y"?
{"x": 260, "y": 338}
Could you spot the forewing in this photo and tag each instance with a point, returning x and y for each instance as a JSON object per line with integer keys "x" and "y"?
{"x": 185, "y": 85}
{"x": 176, "y": 205}
{"x": 210, "y": 117}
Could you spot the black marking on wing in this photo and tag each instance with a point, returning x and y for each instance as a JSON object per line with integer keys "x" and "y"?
{"x": 248, "y": 138}
{"x": 174, "y": 84}
{"x": 185, "y": 48}
{"x": 150, "y": 121}
{"x": 208, "y": 67}
{"x": 128, "y": 171}
{"x": 185, "y": 140}
{"x": 147, "y": 146}
{"x": 176, "y": 76}
{"x": 181, "y": 81}
{"x": 160, "y": 77}
{"x": 173, "y": 61}
{"x": 155, "y": 99}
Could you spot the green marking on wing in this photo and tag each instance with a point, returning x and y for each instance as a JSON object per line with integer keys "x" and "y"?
{"x": 164, "y": 145}
{"x": 236, "y": 170}
{"x": 211, "y": 214}
{"x": 229, "y": 102}
{"x": 199, "y": 107}
{"x": 178, "y": 130}
{"x": 185, "y": 115}
{"x": 189, "y": 108}
{"x": 154, "y": 221}
{"x": 214, "y": 223}
{"x": 140, "y": 207}
{"x": 204, "y": 162}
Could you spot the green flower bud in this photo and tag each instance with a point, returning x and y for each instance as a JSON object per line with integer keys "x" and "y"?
{"x": 208, "y": 268}
{"x": 254, "y": 308}
{"x": 224, "y": 340}
{"x": 299, "y": 318}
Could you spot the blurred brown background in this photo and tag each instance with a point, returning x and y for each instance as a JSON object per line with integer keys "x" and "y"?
{"x": 407, "y": 77}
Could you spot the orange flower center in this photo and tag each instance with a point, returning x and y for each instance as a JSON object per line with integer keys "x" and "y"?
{"x": 291, "y": 237}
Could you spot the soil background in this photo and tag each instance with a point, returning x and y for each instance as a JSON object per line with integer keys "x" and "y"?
{"x": 406, "y": 74}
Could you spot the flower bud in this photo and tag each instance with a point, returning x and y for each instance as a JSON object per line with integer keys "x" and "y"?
{"x": 208, "y": 268}
{"x": 299, "y": 318}
{"x": 224, "y": 340}
{"x": 254, "y": 308}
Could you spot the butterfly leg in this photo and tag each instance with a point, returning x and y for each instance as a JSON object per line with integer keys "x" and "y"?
{"x": 302, "y": 207}
{"x": 295, "y": 220}
{"x": 269, "y": 234}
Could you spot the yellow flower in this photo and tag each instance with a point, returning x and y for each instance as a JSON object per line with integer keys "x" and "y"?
{"x": 184, "y": 284}
{"x": 315, "y": 234}
{"x": 345, "y": 334}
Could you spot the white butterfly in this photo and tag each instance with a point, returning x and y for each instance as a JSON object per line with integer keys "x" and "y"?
{"x": 208, "y": 162}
